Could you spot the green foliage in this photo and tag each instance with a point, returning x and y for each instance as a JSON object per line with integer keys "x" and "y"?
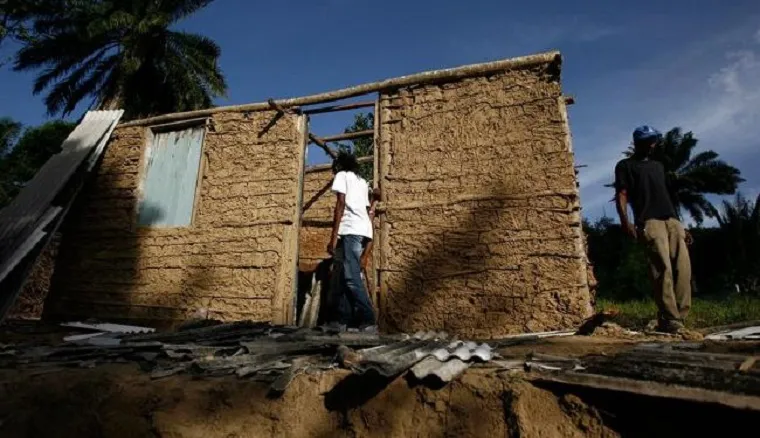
{"x": 724, "y": 260}
{"x": 740, "y": 236}
{"x": 691, "y": 177}
{"x": 22, "y": 161}
{"x": 620, "y": 264}
{"x": 362, "y": 147}
{"x": 704, "y": 312}
{"x": 9, "y": 132}
{"x": 121, "y": 54}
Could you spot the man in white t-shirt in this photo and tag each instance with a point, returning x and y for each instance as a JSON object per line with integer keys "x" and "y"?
{"x": 352, "y": 231}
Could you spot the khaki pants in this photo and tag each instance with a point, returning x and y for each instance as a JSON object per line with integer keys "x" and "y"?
{"x": 670, "y": 267}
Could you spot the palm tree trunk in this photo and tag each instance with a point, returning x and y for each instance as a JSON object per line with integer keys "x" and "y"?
{"x": 111, "y": 103}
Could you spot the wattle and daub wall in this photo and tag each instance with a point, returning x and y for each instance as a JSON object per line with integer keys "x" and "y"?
{"x": 482, "y": 231}
{"x": 234, "y": 262}
{"x": 479, "y": 232}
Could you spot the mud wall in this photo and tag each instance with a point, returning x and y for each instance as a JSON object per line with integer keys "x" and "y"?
{"x": 481, "y": 234}
{"x": 236, "y": 261}
{"x": 316, "y": 224}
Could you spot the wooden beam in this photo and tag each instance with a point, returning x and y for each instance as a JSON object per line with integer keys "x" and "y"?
{"x": 345, "y": 107}
{"x": 321, "y": 143}
{"x": 450, "y": 74}
{"x": 649, "y": 388}
{"x": 349, "y": 136}
{"x": 277, "y": 107}
{"x": 326, "y": 167}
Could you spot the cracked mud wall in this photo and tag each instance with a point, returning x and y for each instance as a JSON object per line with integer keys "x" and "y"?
{"x": 316, "y": 224}
{"x": 237, "y": 259}
{"x": 481, "y": 234}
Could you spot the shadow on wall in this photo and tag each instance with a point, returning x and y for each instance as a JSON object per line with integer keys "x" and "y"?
{"x": 462, "y": 275}
{"x": 99, "y": 267}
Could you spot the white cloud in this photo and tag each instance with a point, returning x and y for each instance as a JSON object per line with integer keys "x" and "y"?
{"x": 556, "y": 29}
{"x": 724, "y": 114}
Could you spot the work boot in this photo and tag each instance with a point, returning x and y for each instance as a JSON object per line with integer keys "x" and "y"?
{"x": 333, "y": 327}
{"x": 671, "y": 326}
{"x": 369, "y": 329}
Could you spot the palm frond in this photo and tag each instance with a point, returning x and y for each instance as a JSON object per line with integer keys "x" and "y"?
{"x": 682, "y": 148}
{"x": 123, "y": 51}
{"x": 178, "y": 9}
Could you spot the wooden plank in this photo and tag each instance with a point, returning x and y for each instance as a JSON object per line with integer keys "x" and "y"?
{"x": 383, "y": 153}
{"x": 349, "y": 136}
{"x": 302, "y": 124}
{"x": 651, "y": 389}
{"x": 580, "y": 245}
{"x": 328, "y": 167}
{"x": 171, "y": 178}
{"x": 375, "y": 280}
{"x": 344, "y": 107}
{"x": 450, "y": 74}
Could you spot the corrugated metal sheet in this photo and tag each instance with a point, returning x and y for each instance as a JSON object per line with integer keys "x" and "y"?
{"x": 30, "y": 219}
{"x": 263, "y": 351}
{"x": 746, "y": 333}
{"x": 171, "y": 174}
{"x": 425, "y": 354}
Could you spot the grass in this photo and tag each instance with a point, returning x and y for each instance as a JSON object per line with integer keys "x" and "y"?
{"x": 704, "y": 312}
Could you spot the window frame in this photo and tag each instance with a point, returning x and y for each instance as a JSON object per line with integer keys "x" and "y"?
{"x": 150, "y": 134}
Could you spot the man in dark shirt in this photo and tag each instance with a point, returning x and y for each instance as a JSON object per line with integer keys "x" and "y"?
{"x": 641, "y": 182}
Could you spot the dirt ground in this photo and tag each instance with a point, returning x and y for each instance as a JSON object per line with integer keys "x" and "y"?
{"x": 120, "y": 400}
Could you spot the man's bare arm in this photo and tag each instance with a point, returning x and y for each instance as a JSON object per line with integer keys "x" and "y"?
{"x": 340, "y": 206}
{"x": 621, "y": 204}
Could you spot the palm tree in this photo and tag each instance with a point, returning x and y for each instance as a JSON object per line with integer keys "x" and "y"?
{"x": 740, "y": 229}
{"x": 691, "y": 178}
{"x": 122, "y": 54}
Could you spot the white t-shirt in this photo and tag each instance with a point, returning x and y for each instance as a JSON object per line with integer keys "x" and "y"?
{"x": 355, "y": 217}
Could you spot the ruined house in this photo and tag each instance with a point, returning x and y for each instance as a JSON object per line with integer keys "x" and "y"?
{"x": 211, "y": 212}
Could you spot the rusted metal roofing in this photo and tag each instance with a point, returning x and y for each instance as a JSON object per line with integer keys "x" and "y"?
{"x": 27, "y": 223}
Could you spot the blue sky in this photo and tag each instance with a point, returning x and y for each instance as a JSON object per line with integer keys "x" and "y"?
{"x": 694, "y": 64}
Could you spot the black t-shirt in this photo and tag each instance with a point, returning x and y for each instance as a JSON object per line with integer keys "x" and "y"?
{"x": 644, "y": 181}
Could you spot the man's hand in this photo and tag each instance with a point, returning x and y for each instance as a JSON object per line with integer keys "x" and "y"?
{"x": 688, "y": 237}
{"x": 332, "y": 245}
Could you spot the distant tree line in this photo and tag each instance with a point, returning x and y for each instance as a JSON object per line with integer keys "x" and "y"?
{"x": 725, "y": 259}
{"x": 24, "y": 151}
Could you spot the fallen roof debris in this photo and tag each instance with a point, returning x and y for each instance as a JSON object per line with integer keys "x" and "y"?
{"x": 746, "y": 333}
{"x": 28, "y": 223}
{"x": 254, "y": 350}
{"x": 277, "y": 354}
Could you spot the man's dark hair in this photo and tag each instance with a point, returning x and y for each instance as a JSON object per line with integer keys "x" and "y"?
{"x": 345, "y": 162}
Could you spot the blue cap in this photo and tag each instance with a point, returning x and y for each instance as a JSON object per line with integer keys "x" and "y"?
{"x": 645, "y": 133}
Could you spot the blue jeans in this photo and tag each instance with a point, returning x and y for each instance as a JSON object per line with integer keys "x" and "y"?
{"x": 349, "y": 298}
